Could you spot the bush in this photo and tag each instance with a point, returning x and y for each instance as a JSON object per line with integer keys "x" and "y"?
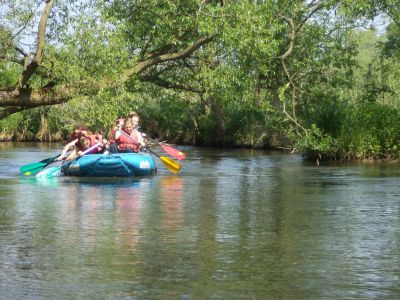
{"x": 370, "y": 131}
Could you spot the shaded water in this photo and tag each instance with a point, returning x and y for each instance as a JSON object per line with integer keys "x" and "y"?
{"x": 233, "y": 224}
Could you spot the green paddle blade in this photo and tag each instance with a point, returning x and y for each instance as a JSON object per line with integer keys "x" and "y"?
{"x": 56, "y": 171}
{"x": 32, "y": 167}
{"x": 33, "y": 171}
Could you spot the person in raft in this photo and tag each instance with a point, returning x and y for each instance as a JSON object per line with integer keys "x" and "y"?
{"x": 129, "y": 138}
{"x": 118, "y": 125}
{"x": 81, "y": 144}
{"x": 78, "y": 130}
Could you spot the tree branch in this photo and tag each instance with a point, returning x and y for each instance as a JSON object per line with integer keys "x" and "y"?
{"x": 27, "y": 98}
{"x": 292, "y": 36}
{"x": 316, "y": 6}
{"x": 142, "y": 66}
{"x": 38, "y": 58}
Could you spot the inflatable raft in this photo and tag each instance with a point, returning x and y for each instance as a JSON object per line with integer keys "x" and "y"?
{"x": 118, "y": 164}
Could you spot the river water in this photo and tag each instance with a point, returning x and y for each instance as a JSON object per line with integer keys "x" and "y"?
{"x": 233, "y": 224}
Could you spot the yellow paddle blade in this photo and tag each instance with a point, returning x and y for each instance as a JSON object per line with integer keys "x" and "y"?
{"x": 172, "y": 165}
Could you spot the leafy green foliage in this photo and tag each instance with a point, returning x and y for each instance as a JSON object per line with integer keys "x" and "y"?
{"x": 317, "y": 144}
{"x": 391, "y": 46}
{"x": 276, "y": 73}
{"x": 370, "y": 130}
{"x": 8, "y": 74}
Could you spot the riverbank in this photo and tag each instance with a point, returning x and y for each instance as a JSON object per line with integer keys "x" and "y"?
{"x": 29, "y": 137}
{"x": 318, "y": 160}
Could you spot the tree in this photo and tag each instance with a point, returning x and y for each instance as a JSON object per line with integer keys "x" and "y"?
{"x": 42, "y": 82}
{"x": 232, "y": 72}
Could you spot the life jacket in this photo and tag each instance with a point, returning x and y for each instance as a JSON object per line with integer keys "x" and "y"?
{"x": 125, "y": 142}
{"x": 93, "y": 141}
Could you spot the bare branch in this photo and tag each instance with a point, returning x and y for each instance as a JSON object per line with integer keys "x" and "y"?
{"x": 141, "y": 66}
{"x": 37, "y": 60}
{"x": 292, "y": 36}
{"x": 317, "y": 7}
{"x": 21, "y": 51}
{"x": 27, "y": 20}
{"x": 293, "y": 116}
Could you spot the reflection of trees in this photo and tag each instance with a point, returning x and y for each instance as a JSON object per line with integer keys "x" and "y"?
{"x": 207, "y": 226}
{"x": 160, "y": 251}
{"x": 250, "y": 220}
{"x": 284, "y": 219}
{"x": 8, "y": 205}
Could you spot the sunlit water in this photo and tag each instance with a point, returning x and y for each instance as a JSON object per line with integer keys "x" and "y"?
{"x": 233, "y": 224}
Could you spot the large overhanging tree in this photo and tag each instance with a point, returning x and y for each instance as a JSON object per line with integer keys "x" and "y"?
{"x": 233, "y": 50}
{"x": 74, "y": 55}
{"x": 80, "y": 47}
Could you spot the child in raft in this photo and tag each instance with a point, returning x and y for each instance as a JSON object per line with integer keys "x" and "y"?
{"x": 129, "y": 138}
{"x": 82, "y": 143}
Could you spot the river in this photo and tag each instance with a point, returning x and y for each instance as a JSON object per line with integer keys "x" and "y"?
{"x": 232, "y": 224}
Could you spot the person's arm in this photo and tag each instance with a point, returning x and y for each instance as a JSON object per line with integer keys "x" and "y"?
{"x": 66, "y": 149}
{"x": 140, "y": 138}
{"x": 117, "y": 134}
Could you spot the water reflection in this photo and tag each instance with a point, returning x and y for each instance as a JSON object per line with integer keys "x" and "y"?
{"x": 232, "y": 224}
{"x": 128, "y": 209}
{"x": 171, "y": 194}
{"x": 40, "y": 181}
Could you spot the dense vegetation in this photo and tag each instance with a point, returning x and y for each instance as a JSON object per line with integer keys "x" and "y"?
{"x": 310, "y": 76}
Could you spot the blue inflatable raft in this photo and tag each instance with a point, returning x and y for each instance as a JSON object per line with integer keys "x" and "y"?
{"x": 118, "y": 164}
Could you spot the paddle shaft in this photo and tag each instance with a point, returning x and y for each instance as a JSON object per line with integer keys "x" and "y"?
{"x": 170, "y": 164}
{"x": 72, "y": 160}
{"x": 33, "y": 168}
{"x": 85, "y": 152}
{"x": 168, "y": 149}
{"x": 152, "y": 152}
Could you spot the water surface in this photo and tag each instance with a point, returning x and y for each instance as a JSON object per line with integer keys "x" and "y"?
{"x": 233, "y": 224}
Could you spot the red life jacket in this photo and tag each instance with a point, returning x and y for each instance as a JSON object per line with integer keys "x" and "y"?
{"x": 93, "y": 141}
{"x": 125, "y": 142}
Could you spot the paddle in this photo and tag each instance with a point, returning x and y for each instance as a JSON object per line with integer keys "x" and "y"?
{"x": 170, "y": 164}
{"x": 36, "y": 167}
{"x": 168, "y": 149}
{"x": 51, "y": 171}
